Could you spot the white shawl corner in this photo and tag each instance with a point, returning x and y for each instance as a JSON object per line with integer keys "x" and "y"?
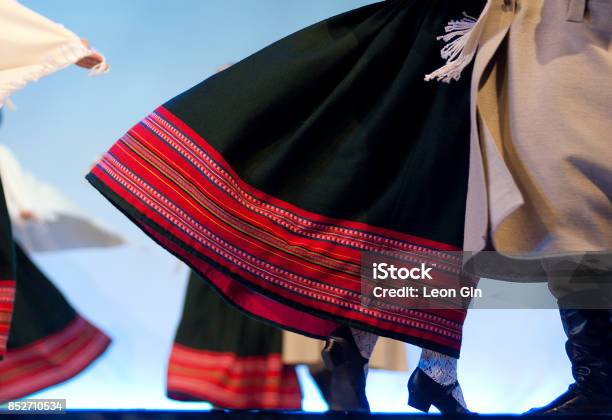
{"x": 32, "y": 46}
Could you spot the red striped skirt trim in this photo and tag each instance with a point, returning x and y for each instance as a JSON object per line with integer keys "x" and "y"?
{"x": 233, "y": 382}
{"x": 7, "y": 301}
{"x": 50, "y": 360}
{"x": 252, "y": 246}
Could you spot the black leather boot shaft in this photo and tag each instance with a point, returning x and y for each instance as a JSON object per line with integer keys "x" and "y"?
{"x": 589, "y": 348}
{"x": 348, "y": 373}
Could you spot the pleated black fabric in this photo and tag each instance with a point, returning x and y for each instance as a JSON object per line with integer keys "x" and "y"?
{"x": 209, "y": 323}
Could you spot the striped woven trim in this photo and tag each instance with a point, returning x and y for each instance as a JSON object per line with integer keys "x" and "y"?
{"x": 183, "y": 193}
{"x": 230, "y": 381}
{"x": 50, "y": 360}
{"x": 7, "y": 301}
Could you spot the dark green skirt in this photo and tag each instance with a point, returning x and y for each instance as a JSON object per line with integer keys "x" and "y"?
{"x": 228, "y": 359}
{"x": 272, "y": 178}
{"x": 48, "y": 342}
{"x": 8, "y": 273}
{"x": 43, "y": 341}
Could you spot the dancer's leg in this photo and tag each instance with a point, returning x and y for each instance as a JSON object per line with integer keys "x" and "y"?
{"x": 346, "y": 355}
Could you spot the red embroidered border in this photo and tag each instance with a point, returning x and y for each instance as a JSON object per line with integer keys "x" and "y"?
{"x": 7, "y": 301}
{"x": 50, "y": 360}
{"x": 234, "y": 382}
{"x": 164, "y": 171}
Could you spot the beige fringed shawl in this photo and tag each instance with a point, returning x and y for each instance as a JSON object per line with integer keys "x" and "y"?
{"x": 32, "y": 46}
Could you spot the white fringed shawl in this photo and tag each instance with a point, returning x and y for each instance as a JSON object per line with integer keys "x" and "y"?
{"x": 32, "y": 46}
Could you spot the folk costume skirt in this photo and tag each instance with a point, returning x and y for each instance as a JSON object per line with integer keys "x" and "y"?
{"x": 8, "y": 273}
{"x": 48, "y": 342}
{"x": 228, "y": 359}
{"x": 43, "y": 341}
{"x": 271, "y": 178}
{"x": 224, "y": 357}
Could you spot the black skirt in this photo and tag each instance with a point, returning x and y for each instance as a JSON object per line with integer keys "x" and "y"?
{"x": 272, "y": 178}
{"x": 48, "y": 342}
{"x": 8, "y": 273}
{"x": 43, "y": 341}
{"x": 228, "y": 359}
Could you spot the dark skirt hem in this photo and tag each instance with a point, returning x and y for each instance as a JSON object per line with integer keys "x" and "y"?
{"x": 289, "y": 308}
{"x": 231, "y": 381}
{"x": 51, "y": 360}
{"x": 156, "y": 233}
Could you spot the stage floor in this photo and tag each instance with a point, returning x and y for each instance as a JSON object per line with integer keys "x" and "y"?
{"x": 248, "y": 415}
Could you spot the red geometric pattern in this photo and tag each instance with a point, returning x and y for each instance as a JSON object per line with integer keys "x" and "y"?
{"x": 7, "y": 300}
{"x": 227, "y": 380}
{"x": 51, "y": 360}
{"x": 182, "y": 192}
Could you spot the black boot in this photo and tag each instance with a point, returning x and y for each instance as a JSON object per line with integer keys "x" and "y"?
{"x": 589, "y": 347}
{"x": 348, "y": 373}
{"x": 423, "y": 392}
{"x": 322, "y": 377}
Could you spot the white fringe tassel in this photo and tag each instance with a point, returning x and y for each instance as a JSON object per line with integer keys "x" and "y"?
{"x": 462, "y": 38}
{"x": 64, "y": 56}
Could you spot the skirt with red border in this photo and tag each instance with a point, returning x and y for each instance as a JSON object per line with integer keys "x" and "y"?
{"x": 49, "y": 342}
{"x": 272, "y": 178}
{"x": 228, "y": 359}
{"x": 7, "y": 273}
{"x": 43, "y": 341}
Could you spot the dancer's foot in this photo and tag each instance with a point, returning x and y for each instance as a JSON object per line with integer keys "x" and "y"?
{"x": 576, "y": 401}
{"x": 424, "y": 392}
{"x": 589, "y": 347}
{"x": 434, "y": 382}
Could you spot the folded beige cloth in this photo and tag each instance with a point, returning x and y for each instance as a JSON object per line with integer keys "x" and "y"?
{"x": 300, "y": 350}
